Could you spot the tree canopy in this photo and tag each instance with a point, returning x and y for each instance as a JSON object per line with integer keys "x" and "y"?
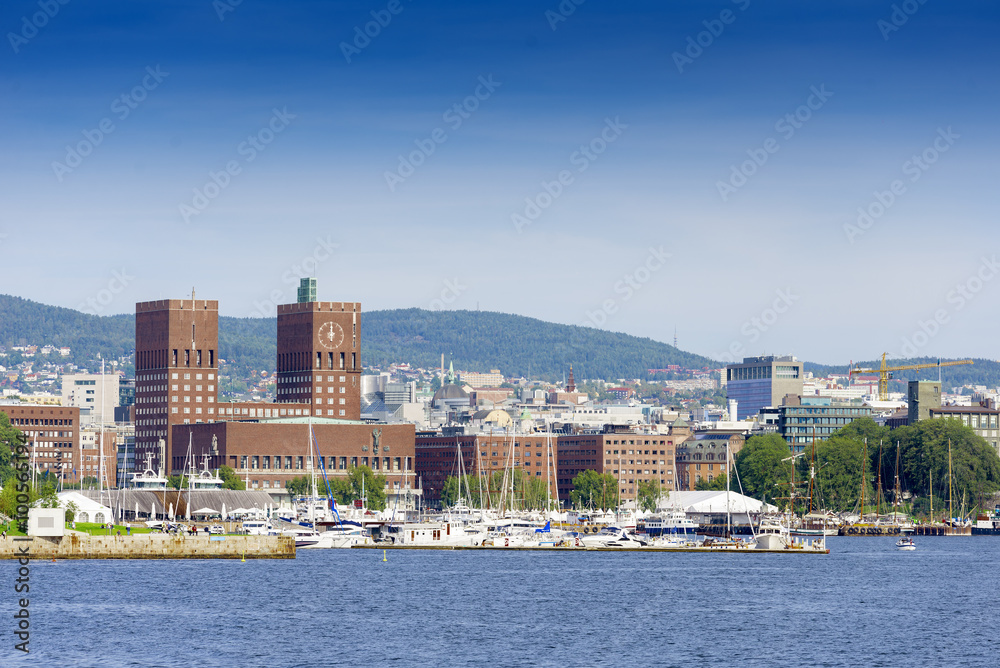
{"x": 594, "y": 490}
{"x": 763, "y": 473}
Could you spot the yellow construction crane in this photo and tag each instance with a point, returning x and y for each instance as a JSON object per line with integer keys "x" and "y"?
{"x": 885, "y": 372}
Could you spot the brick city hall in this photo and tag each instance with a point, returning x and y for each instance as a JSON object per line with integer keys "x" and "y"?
{"x": 178, "y": 415}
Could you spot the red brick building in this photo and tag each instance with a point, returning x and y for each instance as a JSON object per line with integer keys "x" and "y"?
{"x": 271, "y": 452}
{"x": 437, "y": 457}
{"x": 176, "y": 368}
{"x": 54, "y": 434}
{"x": 319, "y": 357}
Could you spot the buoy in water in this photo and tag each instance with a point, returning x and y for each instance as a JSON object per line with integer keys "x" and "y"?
{"x": 383, "y": 556}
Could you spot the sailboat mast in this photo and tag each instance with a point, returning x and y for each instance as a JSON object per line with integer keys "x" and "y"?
{"x": 729, "y": 527}
{"x": 878, "y": 497}
{"x": 930, "y": 490}
{"x": 864, "y": 473}
{"x": 895, "y": 492}
{"x": 951, "y": 510}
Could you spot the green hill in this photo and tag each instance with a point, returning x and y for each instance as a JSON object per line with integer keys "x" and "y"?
{"x": 476, "y": 341}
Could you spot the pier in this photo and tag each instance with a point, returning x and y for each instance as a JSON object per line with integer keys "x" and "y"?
{"x": 715, "y": 550}
{"x": 150, "y": 546}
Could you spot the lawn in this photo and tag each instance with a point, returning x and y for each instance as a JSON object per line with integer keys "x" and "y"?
{"x": 101, "y": 529}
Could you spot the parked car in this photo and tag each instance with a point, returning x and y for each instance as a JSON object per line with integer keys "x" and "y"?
{"x": 216, "y": 529}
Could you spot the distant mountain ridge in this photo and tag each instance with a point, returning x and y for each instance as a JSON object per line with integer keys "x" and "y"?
{"x": 475, "y": 340}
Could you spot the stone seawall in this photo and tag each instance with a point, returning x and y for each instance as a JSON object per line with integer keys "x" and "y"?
{"x": 151, "y": 546}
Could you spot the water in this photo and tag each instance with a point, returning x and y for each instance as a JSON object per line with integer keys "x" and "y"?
{"x": 865, "y": 604}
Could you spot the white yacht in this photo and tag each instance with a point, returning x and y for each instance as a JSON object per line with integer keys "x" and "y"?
{"x": 773, "y": 535}
{"x": 429, "y": 534}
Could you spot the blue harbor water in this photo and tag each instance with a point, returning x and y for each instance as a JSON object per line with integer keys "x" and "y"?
{"x": 865, "y": 604}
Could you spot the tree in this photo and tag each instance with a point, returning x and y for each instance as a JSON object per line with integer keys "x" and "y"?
{"x": 175, "y": 481}
{"x": 717, "y": 483}
{"x": 450, "y": 491}
{"x": 975, "y": 466}
{"x": 71, "y": 510}
{"x": 374, "y": 486}
{"x": 648, "y": 494}
{"x": 229, "y": 478}
{"x": 594, "y": 490}
{"x": 10, "y": 438}
{"x": 838, "y": 473}
{"x": 342, "y": 490}
{"x": 299, "y": 486}
{"x": 759, "y": 464}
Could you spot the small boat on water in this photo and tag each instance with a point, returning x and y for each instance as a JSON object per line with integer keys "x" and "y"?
{"x": 772, "y": 535}
{"x": 905, "y": 543}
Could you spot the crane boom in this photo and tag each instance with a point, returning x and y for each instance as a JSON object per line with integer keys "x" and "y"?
{"x": 885, "y": 372}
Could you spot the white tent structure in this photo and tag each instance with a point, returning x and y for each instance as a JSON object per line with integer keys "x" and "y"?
{"x": 702, "y": 507}
{"x": 87, "y": 509}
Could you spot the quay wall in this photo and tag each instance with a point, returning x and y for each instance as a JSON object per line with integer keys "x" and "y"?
{"x": 150, "y": 546}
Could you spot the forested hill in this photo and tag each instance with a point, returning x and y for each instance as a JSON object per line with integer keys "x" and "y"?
{"x": 476, "y": 341}
{"x": 516, "y": 345}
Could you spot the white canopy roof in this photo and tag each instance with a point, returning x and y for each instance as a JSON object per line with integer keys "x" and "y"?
{"x": 83, "y": 504}
{"x": 715, "y": 502}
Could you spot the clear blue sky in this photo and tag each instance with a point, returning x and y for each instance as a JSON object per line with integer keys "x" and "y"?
{"x": 313, "y": 130}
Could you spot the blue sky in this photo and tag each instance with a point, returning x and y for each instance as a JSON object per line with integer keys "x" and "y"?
{"x": 649, "y": 229}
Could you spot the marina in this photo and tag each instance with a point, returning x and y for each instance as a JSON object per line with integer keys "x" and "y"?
{"x": 446, "y": 588}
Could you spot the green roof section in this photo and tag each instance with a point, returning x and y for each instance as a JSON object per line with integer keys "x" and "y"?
{"x": 307, "y": 290}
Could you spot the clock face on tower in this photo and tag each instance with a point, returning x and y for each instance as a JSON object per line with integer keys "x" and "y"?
{"x": 331, "y": 335}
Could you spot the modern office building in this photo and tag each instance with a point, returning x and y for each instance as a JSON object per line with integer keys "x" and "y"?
{"x": 762, "y": 381}
{"x": 801, "y": 419}
{"x": 96, "y": 395}
{"x": 176, "y": 368}
{"x": 319, "y": 355}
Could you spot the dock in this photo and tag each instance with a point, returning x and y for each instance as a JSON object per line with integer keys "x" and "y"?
{"x": 149, "y": 546}
{"x": 714, "y": 550}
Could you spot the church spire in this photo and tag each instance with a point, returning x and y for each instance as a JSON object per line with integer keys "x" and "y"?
{"x": 571, "y": 386}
